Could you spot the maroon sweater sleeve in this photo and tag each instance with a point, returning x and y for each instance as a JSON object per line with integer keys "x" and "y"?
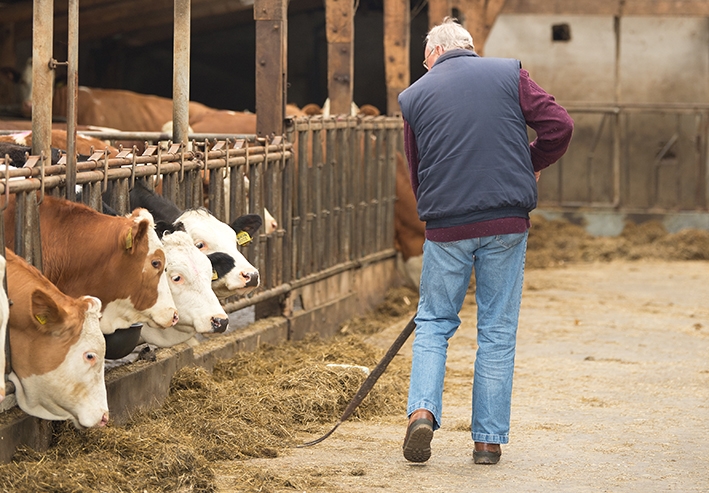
{"x": 412, "y": 156}
{"x": 549, "y": 120}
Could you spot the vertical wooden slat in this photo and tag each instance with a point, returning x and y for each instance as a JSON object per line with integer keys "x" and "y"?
{"x": 303, "y": 210}
{"x": 339, "y": 20}
{"x": 316, "y": 203}
{"x": 271, "y": 66}
{"x": 397, "y": 35}
{"x": 328, "y": 213}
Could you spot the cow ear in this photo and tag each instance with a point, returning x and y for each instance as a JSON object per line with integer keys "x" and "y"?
{"x": 134, "y": 234}
{"x": 163, "y": 227}
{"x": 248, "y": 223}
{"x": 45, "y": 311}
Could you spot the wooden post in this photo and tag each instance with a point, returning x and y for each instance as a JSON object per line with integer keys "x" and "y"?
{"x": 437, "y": 10}
{"x": 397, "y": 36}
{"x": 271, "y": 65}
{"x": 339, "y": 20}
{"x": 72, "y": 95}
{"x": 181, "y": 71}
{"x": 42, "y": 76}
{"x": 478, "y": 17}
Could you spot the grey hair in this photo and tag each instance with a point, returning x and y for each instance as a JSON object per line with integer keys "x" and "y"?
{"x": 450, "y": 35}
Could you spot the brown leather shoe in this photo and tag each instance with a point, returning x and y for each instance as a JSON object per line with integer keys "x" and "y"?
{"x": 419, "y": 433}
{"x": 487, "y": 453}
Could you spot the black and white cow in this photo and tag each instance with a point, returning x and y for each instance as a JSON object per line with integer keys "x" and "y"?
{"x": 233, "y": 274}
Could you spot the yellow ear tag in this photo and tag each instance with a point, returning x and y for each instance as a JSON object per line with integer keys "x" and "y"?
{"x": 41, "y": 319}
{"x": 243, "y": 238}
{"x": 215, "y": 276}
{"x": 129, "y": 240}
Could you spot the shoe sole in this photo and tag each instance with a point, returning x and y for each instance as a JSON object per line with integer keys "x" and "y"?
{"x": 418, "y": 444}
{"x": 485, "y": 457}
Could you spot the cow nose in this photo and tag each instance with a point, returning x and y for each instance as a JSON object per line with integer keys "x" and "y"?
{"x": 252, "y": 278}
{"x": 104, "y": 419}
{"x": 175, "y": 318}
{"x": 220, "y": 324}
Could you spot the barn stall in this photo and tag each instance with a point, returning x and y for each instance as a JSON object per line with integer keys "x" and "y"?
{"x": 315, "y": 264}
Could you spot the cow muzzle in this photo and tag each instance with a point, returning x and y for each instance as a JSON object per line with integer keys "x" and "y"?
{"x": 220, "y": 325}
{"x": 253, "y": 279}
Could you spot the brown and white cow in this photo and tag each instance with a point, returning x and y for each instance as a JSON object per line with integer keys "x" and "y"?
{"x": 119, "y": 260}
{"x": 56, "y": 349}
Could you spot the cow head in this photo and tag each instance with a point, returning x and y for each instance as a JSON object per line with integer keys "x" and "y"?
{"x": 57, "y": 349}
{"x": 189, "y": 274}
{"x": 152, "y": 302}
{"x": 22, "y": 84}
{"x": 211, "y": 236}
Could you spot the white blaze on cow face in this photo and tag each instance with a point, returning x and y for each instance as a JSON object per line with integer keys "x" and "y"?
{"x": 190, "y": 276}
{"x": 4, "y": 315}
{"x": 76, "y": 389}
{"x": 211, "y": 236}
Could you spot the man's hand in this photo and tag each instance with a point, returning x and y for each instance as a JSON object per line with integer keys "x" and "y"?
{"x": 537, "y": 174}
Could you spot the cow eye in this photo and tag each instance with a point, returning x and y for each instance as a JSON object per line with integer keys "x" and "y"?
{"x": 156, "y": 264}
{"x": 201, "y": 245}
{"x": 177, "y": 279}
{"x": 90, "y": 357}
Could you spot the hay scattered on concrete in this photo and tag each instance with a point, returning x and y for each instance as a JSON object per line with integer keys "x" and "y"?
{"x": 556, "y": 242}
{"x": 255, "y": 405}
{"x": 397, "y": 303}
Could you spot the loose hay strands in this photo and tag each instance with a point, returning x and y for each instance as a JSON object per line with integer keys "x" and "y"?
{"x": 252, "y": 405}
{"x": 555, "y": 242}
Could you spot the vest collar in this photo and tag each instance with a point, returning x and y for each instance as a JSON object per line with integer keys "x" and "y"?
{"x": 458, "y": 52}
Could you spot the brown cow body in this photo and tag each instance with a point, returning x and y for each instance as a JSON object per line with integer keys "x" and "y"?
{"x": 116, "y": 259}
{"x": 56, "y": 349}
{"x": 409, "y": 230}
{"x": 84, "y": 145}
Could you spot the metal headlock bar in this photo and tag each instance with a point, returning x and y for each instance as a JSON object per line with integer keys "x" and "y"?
{"x": 329, "y": 186}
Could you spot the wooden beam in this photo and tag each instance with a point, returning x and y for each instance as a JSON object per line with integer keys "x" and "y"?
{"x": 99, "y": 19}
{"x": 478, "y": 17}
{"x": 437, "y": 11}
{"x": 397, "y": 39}
{"x": 271, "y": 65}
{"x": 339, "y": 28}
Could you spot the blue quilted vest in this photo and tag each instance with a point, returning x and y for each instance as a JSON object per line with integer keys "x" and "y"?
{"x": 474, "y": 158}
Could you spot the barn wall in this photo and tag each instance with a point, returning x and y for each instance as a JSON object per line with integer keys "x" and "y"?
{"x": 663, "y": 63}
{"x": 661, "y": 59}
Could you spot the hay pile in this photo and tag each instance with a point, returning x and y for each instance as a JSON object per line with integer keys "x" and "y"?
{"x": 553, "y": 243}
{"x": 253, "y": 405}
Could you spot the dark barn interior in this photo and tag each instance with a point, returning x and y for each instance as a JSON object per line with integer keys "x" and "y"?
{"x": 135, "y": 52}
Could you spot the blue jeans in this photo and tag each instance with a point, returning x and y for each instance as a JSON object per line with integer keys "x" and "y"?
{"x": 445, "y": 276}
